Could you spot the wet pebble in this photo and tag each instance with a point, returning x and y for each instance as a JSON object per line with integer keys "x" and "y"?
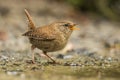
{"x": 73, "y": 64}
{"x": 60, "y": 56}
{"x": 66, "y": 64}
{"x": 109, "y": 58}
{"x": 2, "y": 57}
{"x": 68, "y": 56}
{"x": 12, "y": 72}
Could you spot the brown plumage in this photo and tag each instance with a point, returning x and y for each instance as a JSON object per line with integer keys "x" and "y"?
{"x": 49, "y": 38}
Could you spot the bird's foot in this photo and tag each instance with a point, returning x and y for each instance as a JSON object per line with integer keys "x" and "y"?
{"x": 30, "y": 61}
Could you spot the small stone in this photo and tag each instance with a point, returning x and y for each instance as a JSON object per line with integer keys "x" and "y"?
{"x": 66, "y": 64}
{"x": 2, "y": 57}
{"x": 60, "y": 56}
{"x": 109, "y": 58}
{"x": 68, "y": 56}
{"x": 73, "y": 64}
{"x": 12, "y": 73}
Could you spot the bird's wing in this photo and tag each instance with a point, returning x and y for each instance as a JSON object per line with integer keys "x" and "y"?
{"x": 40, "y": 34}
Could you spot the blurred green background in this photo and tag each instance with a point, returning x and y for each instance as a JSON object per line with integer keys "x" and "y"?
{"x": 109, "y": 9}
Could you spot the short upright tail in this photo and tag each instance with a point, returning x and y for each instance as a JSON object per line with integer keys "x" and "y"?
{"x": 31, "y": 24}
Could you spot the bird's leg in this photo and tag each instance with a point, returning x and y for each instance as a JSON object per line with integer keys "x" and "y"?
{"x": 33, "y": 56}
{"x": 45, "y": 53}
{"x": 41, "y": 55}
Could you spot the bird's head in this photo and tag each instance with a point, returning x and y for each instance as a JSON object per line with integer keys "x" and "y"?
{"x": 66, "y": 27}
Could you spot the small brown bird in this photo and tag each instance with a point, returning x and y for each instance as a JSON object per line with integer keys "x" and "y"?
{"x": 49, "y": 38}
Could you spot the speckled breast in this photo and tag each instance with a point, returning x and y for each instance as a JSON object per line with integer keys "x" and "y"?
{"x": 48, "y": 46}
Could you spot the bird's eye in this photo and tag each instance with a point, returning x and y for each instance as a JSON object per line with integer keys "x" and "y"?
{"x": 66, "y": 25}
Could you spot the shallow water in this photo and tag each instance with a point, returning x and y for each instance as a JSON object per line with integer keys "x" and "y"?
{"x": 25, "y": 71}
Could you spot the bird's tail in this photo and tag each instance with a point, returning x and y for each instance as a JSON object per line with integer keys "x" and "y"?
{"x": 31, "y": 24}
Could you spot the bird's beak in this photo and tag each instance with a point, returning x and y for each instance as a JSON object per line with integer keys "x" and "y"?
{"x": 73, "y": 27}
